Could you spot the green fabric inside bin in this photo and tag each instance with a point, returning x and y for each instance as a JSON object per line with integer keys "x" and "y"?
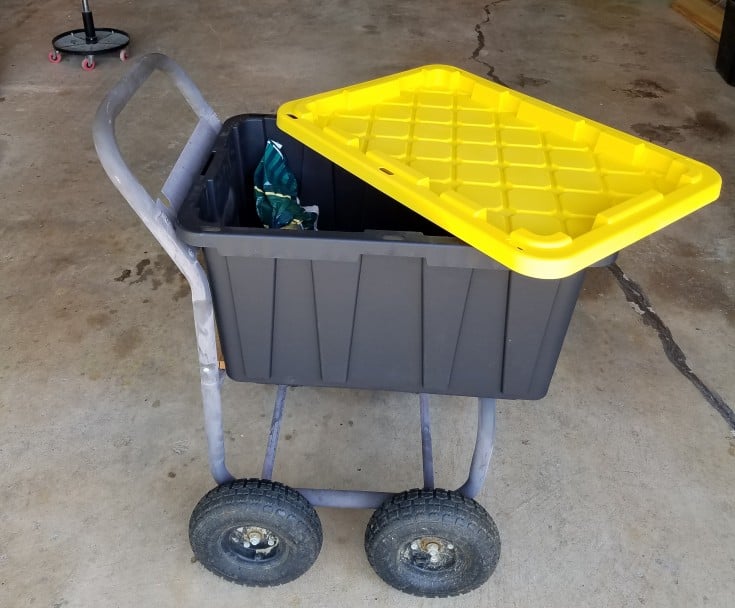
{"x": 276, "y": 193}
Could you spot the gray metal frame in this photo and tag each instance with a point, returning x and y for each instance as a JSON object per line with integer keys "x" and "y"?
{"x": 361, "y": 499}
{"x": 159, "y": 215}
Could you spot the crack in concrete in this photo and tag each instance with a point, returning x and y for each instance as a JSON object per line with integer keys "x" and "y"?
{"x": 636, "y": 296}
{"x": 488, "y": 8}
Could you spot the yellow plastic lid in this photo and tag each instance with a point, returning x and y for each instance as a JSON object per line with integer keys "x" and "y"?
{"x": 539, "y": 189}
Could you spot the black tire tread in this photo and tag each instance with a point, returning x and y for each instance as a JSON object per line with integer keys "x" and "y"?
{"x": 257, "y": 492}
{"x": 413, "y": 506}
{"x": 229, "y": 493}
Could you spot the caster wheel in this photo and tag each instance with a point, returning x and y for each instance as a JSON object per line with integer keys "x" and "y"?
{"x": 88, "y": 65}
{"x": 54, "y": 56}
{"x": 432, "y": 543}
{"x": 124, "y": 55}
{"x": 255, "y": 532}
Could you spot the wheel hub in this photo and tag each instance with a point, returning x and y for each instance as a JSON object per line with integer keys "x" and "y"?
{"x": 429, "y": 553}
{"x": 253, "y": 543}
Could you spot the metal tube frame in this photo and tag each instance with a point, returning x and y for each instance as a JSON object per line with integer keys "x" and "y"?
{"x": 361, "y": 499}
{"x": 427, "y": 456}
{"x": 159, "y": 214}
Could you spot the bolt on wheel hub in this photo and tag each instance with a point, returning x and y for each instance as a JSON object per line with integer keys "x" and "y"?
{"x": 429, "y": 553}
{"x": 253, "y": 542}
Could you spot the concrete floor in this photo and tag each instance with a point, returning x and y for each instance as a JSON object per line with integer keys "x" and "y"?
{"x": 618, "y": 489}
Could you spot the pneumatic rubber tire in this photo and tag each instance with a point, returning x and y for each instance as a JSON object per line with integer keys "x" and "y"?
{"x": 275, "y": 513}
{"x": 407, "y": 526}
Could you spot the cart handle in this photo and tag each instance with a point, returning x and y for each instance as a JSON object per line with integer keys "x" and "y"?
{"x": 159, "y": 217}
{"x": 192, "y": 156}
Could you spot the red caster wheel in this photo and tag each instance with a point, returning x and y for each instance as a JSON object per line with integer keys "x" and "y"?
{"x": 54, "y": 56}
{"x": 124, "y": 55}
{"x": 88, "y": 65}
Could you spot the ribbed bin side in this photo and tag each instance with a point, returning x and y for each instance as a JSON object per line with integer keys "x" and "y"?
{"x": 538, "y": 316}
{"x": 386, "y": 322}
{"x": 368, "y": 301}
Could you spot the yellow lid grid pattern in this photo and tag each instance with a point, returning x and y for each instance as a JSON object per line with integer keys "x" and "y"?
{"x": 542, "y": 190}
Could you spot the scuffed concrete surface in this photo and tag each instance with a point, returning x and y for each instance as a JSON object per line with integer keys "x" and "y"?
{"x": 618, "y": 489}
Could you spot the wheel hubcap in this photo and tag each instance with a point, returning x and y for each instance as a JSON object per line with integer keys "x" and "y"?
{"x": 429, "y": 553}
{"x": 253, "y": 543}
